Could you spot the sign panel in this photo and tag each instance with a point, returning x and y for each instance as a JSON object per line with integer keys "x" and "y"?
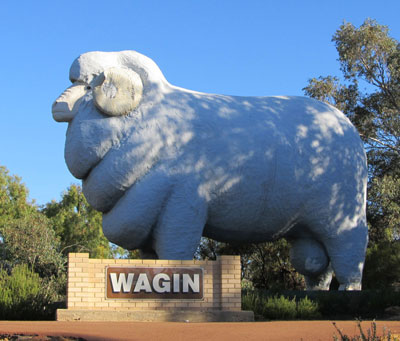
{"x": 154, "y": 283}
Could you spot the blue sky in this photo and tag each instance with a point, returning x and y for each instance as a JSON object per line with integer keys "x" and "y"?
{"x": 230, "y": 47}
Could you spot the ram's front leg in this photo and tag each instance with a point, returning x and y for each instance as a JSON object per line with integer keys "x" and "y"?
{"x": 129, "y": 224}
{"x": 181, "y": 224}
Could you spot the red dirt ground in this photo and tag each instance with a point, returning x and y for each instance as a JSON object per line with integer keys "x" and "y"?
{"x": 160, "y": 331}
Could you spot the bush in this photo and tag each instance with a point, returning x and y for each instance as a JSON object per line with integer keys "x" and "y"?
{"x": 254, "y": 302}
{"x": 279, "y": 307}
{"x": 307, "y": 309}
{"x": 366, "y": 304}
{"x": 22, "y": 295}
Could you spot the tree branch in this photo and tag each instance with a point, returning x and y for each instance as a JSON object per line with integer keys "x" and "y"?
{"x": 69, "y": 246}
{"x": 397, "y": 150}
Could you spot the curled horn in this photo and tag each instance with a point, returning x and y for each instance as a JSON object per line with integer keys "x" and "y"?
{"x": 117, "y": 91}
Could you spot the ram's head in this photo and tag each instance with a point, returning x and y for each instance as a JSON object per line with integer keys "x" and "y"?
{"x": 111, "y": 92}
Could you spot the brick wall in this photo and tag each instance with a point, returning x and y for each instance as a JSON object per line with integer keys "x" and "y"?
{"x": 86, "y": 284}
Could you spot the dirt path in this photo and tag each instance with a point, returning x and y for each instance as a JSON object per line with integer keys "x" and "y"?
{"x": 159, "y": 331}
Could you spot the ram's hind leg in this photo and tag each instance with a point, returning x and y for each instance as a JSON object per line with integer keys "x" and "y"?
{"x": 345, "y": 241}
{"x": 337, "y": 218}
{"x": 346, "y": 251}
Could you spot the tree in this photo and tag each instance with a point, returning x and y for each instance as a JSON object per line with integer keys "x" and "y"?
{"x": 27, "y": 239}
{"x": 26, "y": 235}
{"x": 78, "y": 225}
{"x": 31, "y": 240}
{"x": 13, "y": 198}
{"x": 369, "y": 94}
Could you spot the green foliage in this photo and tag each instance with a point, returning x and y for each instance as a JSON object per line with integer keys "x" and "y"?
{"x": 22, "y": 295}
{"x": 368, "y": 304}
{"x": 253, "y": 301}
{"x": 328, "y": 89}
{"x": 307, "y": 309}
{"x": 279, "y": 307}
{"x": 30, "y": 240}
{"x": 270, "y": 268}
{"x": 27, "y": 240}
{"x": 78, "y": 225}
{"x": 382, "y": 265}
{"x": 13, "y": 198}
{"x": 384, "y": 208}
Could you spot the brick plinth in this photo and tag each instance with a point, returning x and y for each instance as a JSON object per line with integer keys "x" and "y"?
{"x": 86, "y": 293}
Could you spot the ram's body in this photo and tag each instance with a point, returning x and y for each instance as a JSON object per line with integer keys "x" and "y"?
{"x": 237, "y": 169}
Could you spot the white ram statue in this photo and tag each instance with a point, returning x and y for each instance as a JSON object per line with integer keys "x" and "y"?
{"x": 168, "y": 165}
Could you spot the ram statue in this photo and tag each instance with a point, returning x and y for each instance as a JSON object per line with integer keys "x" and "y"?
{"x": 166, "y": 166}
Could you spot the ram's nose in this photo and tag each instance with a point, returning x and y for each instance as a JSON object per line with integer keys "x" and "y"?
{"x": 61, "y": 112}
{"x": 65, "y": 107}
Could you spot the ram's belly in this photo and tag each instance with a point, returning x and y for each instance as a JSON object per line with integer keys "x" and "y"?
{"x": 259, "y": 213}
{"x": 240, "y": 230}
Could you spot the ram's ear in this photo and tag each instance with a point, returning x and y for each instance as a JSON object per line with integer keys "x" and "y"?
{"x": 117, "y": 91}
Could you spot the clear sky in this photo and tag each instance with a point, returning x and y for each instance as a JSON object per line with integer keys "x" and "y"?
{"x": 252, "y": 47}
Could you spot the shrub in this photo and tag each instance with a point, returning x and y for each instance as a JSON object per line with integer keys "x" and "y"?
{"x": 280, "y": 308}
{"x": 251, "y": 300}
{"x": 307, "y": 309}
{"x": 22, "y": 295}
{"x": 365, "y": 304}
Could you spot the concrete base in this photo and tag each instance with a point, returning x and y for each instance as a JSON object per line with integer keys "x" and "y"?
{"x": 155, "y": 315}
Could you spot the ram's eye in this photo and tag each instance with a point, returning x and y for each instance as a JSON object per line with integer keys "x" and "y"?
{"x": 88, "y": 87}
